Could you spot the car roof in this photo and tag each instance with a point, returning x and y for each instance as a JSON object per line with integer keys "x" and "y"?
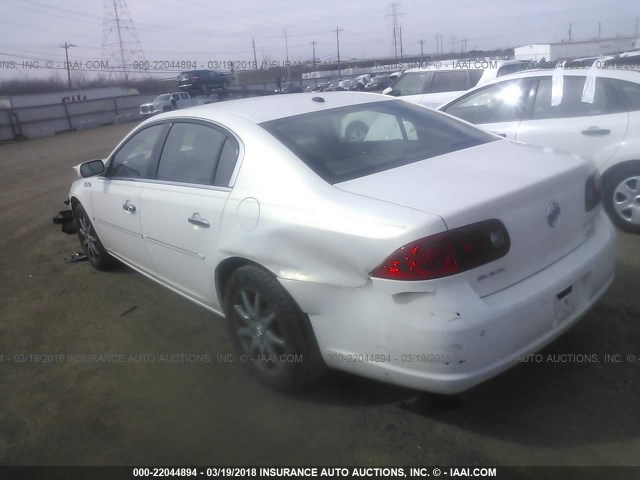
{"x": 628, "y": 75}
{"x": 272, "y": 107}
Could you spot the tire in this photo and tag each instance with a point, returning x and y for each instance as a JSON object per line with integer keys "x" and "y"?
{"x": 204, "y": 90}
{"x": 621, "y": 198}
{"x": 356, "y": 131}
{"x": 275, "y": 338}
{"x": 92, "y": 247}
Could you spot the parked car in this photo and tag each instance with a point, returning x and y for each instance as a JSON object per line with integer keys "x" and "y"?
{"x": 203, "y": 81}
{"x": 166, "y": 102}
{"x": 606, "y": 129}
{"x": 430, "y": 254}
{"x": 318, "y": 87}
{"x": 433, "y": 86}
{"x": 338, "y": 86}
{"x": 289, "y": 87}
{"x": 379, "y": 82}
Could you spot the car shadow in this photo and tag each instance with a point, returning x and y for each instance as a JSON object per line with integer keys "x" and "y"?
{"x": 581, "y": 389}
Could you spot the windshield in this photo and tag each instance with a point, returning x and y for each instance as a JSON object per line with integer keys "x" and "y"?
{"x": 163, "y": 98}
{"x": 350, "y": 142}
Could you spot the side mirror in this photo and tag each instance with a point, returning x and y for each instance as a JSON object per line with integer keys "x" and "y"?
{"x": 92, "y": 168}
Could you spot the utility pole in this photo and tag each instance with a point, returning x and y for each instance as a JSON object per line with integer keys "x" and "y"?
{"x": 401, "y": 54}
{"x": 286, "y": 46}
{"x": 599, "y": 30}
{"x": 570, "y": 25}
{"x": 437, "y": 43}
{"x": 421, "y": 42}
{"x": 396, "y": 28}
{"x": 395, "y": 44}
{"x": 66, "y": 47}
{"x": 313, "y": 44}
{"x": 255, "y": 59}
{"x": 338, "y": 30}
{"x": 637, "y": 26}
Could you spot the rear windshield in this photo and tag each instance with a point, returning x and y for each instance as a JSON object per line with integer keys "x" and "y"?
{"x": 350, "y": 142}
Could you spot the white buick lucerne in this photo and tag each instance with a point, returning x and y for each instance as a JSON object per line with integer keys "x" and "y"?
{"x": 426, "y": 253}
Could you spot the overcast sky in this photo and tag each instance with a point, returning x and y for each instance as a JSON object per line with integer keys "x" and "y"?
{"x": 205, "y": 31}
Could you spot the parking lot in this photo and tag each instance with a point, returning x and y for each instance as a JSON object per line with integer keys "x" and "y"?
{"x": 133, "y": 374}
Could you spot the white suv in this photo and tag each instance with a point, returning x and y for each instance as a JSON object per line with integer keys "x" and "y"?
{"x": 440, "y": 83}
{"x": 605, "y": 127}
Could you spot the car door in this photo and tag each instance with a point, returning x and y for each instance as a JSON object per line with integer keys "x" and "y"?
{"x": 183, "y": 208}
{"x": 498, "y": 108}
{"x": 591, "y": 129}
{"x": 116, "y": 196}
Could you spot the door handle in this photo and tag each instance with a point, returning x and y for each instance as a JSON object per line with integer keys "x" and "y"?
{"x": 128, "y": 207}
{"x": 196, "y": 219}
{"x": 596, "y": 132}
{"x": 503, "y": 135}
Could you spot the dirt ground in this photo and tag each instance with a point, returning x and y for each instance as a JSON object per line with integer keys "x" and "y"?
{"x": 183, "y": 410}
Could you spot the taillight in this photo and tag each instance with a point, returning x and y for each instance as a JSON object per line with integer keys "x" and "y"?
{"x": 592, "y": 192}
{"x": 447, "y": 253}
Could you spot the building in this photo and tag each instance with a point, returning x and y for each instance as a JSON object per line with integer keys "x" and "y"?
{"x": 571, "y": 50}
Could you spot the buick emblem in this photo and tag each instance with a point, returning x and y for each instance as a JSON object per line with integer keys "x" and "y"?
{"x": 553, "y": 213}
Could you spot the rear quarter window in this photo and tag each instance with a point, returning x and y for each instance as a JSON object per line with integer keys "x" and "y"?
{"x": 630, "y": 93}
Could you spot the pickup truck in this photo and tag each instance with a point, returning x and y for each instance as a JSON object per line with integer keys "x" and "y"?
{"x": 166, "y": 102}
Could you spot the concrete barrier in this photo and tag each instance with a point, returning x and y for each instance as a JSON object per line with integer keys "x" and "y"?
{"x": 46, "y": 120}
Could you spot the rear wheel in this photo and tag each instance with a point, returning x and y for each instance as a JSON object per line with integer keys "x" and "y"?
{"x": 621, "y": 197}
{"x": 91, "y": 244}
{"x": 270, "y": 332}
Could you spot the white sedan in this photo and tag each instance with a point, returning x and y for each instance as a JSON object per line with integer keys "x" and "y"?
{"x": 602, "y": 122}
{"x": 429, "y": 253}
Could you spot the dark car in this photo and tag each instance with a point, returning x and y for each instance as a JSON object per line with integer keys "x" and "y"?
{"x": 379, "y": 82}
{"x": 289, "y": 87}
{"x": 202, "y": 81}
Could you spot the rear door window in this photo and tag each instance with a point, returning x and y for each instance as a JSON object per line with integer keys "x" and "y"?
{"x": 190, "y": 154}
{"x": 451, "y": 81}
{"x": 605, "y": 100}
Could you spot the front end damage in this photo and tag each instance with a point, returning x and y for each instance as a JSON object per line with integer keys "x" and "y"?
{"x": 65, "y": 219}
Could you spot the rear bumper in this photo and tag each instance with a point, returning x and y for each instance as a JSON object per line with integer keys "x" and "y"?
{"x": 449, "y": 339}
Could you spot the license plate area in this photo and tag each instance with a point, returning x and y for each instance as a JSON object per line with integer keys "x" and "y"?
{"x": 571, "y": 299}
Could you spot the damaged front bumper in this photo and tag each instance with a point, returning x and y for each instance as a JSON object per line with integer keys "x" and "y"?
{"x": 65, "y": 218}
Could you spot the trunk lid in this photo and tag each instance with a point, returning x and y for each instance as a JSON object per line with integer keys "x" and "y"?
{"x": 529, "y": 189}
